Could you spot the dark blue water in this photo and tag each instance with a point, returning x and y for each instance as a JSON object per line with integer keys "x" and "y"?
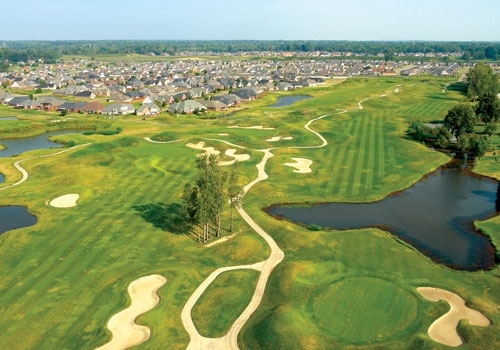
{"x": 21, "y": 145}
{"x": 12, "y": 217}
{"x": 435, "y": 216}
{"x": 289, "y": 100}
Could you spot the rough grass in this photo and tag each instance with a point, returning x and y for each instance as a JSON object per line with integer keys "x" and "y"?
{"x": 69, "y": 273}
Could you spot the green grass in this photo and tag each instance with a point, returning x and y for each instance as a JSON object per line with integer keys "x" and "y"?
{"x": 69, "y": 273}
{"x": 223, "y": 302}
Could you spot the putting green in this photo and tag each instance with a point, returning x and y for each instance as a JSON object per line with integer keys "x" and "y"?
{"x": 362, "y": 310}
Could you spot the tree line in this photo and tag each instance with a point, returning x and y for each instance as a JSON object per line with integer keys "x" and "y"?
{"x": 204, "y": 201}
{"x": 460, "y": 121}
{"x": 23, "y": 51}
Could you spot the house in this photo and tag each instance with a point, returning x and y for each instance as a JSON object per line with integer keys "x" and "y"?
{"x": 134, "y": 83}
{"x": 5, "y": 97}
{"x": 118, "y": 108}
{"x": 29, "y": 104}
{"x": 116, "y": 96}
{"x": 86, "y": 94}
{"x": 93, "y": 107}
{"x": 136, "y": 95}
{"x": 148, "y": 109}
{"x": 246, "y": 94}
{"x": 50, "y": 103}
{"x": 284, "y": 86}
{"x": 165, "y": 99}
{"x": 17, "y": 101}
{"x": 186, "y": 107}
{"x": 228, "y": 99}
{"x": 72, "y": 106}
{"x": 214, "y": 105}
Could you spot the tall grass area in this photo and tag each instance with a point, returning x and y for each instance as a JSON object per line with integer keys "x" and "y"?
{"x": 69, "y": 273}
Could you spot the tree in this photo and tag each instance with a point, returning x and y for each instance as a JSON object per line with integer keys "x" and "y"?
{"x": 234, "y": 191}
{"x": 488, "y": 108}
{"x": 474, "y": 144}
{"x": 191, "y": 207}
{"x": 480, "y": 81}
{"x": 490, "y": 129}
{"x": 210, "y": 184}
{"x": 460, "y": 120}
{"x": 389, "y": 54}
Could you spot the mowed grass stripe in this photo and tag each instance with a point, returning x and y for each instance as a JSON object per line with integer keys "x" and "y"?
{"x": 380, "y": 149}
{"x": 371, "y": 152}
{"x": 351, "y": 153}
{"x": 338, "y": 167}
{"x": 361, "y": 152}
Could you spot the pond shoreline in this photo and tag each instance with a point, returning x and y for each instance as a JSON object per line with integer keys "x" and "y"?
{"x": 490, "y": 258}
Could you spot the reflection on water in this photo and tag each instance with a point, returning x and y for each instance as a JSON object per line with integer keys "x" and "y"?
{"x": 435, "y": 216}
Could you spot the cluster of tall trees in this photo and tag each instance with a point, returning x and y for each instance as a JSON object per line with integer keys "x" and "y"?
{"x": 460, "y": 121}
{"x": 204, "y": 201}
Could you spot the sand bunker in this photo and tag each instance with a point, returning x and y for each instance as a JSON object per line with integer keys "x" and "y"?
{"x": 201, "y": 145}
{"x": 444, "y": 329}
{"x": 230, "y": 153}
{"x": 278, "y": 138}
{"x": 237, "y": 157}
{"x": 223, "y": 134}
{"x": 302, "y": 165}
{"x": 258, "y": 127}
{"x": 126, "y": 333}
{"x": 66, "y": 201}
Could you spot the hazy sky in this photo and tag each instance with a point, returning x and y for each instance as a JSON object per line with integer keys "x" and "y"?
{"x": 444, "y": 20}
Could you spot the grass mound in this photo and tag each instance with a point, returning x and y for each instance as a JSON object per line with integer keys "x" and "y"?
{"x": 361, "y": 310}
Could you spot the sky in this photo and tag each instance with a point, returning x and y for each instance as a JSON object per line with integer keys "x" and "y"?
{"x": 433, "y": 20}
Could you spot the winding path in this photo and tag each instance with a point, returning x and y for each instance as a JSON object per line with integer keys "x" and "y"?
{"x": 230, "y": 340}
{"x": 25, "y": 174}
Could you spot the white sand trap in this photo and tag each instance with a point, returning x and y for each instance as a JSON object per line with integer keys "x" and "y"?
{"x": 201, "y": 145}
{"x": 66, "y": 201}
{"x": 126, "y": 333}
{"x": 278, "y": 138}
{"x": 258, "y": 127}
{"x": 223, "y": 134}
{"x": 302, "y": 165}
{"x": 396, "y": 90}
{"x": 237, "y": 157}
{"x": 444, "y": 329}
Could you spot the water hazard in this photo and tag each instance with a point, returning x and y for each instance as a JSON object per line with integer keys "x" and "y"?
{"x": 435, "y": 216}
{"x": 20, "y": 145}
{"x": 12, "y": 217}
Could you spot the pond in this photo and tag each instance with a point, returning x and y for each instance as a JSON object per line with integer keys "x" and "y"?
{"x": 289, "y": 100}
{"x": 435, "y": 216}
{"x": 12, "y": 217}
{"x": 20, "y": 145}
{"x": 8, "y": 118}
